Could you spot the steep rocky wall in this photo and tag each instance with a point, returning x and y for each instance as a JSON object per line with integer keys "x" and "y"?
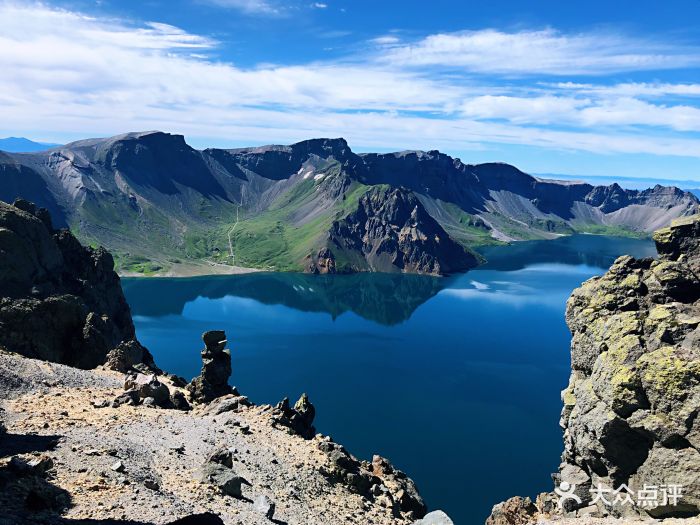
{"x": 630, "y": 410}
{"x": 61, "y": 301}
{"x": 391, "y": 232}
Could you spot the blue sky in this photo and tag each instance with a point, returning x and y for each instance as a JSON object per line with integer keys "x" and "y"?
{"x": 581, "y": 88}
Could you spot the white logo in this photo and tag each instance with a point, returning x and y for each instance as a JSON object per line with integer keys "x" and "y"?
{"x": 565, "y": 491}
{"x": 649, "y": 496}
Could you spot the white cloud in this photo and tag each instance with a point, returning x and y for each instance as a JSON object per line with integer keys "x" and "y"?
{"x": 542, "y": 52}
{"x": 546, "y": 109}
{"x": 259, "y": 7}
{"x": 585, "y": 112}
{"x": 385, "y": 40}
{"x": 319, "y": 5}
{"x": 629, "y": 111}
{"x": 632, "y": 89}
{"x": 88, "y": 76}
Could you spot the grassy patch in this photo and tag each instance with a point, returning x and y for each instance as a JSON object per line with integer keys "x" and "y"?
{"x": 469, "y": 230}
{"x": 136, "y": 264}
{"x": 551, "y": 226}
{"x": 613, "y": 231}
{"x": 270, "y": 240}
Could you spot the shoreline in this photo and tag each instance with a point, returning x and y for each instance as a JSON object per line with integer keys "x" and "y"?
{"x": 194, "y": 269}
{"x": 205, "y": 268}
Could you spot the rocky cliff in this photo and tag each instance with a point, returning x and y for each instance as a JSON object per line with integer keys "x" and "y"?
{"x": 630, "y": 416}
{"x": 630, "y": 410}
{"x": 391, "y": 231}
{"x": 158, "y": 205}
{"x": 60, "y": 301}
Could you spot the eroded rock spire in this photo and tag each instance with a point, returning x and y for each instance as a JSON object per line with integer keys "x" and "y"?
{"x": 216, "y": 369}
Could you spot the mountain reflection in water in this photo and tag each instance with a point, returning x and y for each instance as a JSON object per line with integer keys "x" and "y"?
{"x": 387, "y": 299}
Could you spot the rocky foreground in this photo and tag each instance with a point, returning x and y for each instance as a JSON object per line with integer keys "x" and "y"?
{"x": 74, "y": 452}
{"x": 630, "y": 416}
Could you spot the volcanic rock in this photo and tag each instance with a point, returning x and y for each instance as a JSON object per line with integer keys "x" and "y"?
{"x": 437, "y": 517}
{"x": 515, "y": 511}
{"x": 223, "y": 478}
{"x": 264, "y": 506}
{"x": 630, "y": 411}
{"x": 393, "y": 232}
{"x": 60, "y": 301}
{"x": 148, "y": 386}
{"x": 298, "y": 419}
{"x": 216, "y": 369}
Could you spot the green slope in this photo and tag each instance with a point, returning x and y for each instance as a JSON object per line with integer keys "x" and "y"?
{"x": 271, "y": 240}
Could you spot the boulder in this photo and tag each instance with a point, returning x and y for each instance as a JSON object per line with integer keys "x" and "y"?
{"x": 177, "y": 381}
{"x": 126, "y": 355}
{"x": 228, "y": 403}
{"x": 38, "y": 466}
{"x": 223, "y": 478}
{"x": 515, "y": 511}
{"x": 436, "y": 517}
{"x": 299, "y": 419}
{"x": 264, "y": 506}
{"x": 148, "y": 386}
{"x": 225, "y": 456}
{"x": 118, "y": 466}
{"x": 306, "y": 410}
{"x": 129, "y": 397}
{"x": 179, "y": 401}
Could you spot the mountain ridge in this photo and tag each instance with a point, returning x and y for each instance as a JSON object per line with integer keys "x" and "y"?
{"x": 22, "y": 144}
{"x": 155, "y": 202}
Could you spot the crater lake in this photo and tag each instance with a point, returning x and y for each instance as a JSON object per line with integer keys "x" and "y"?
{"x": 455, "y": 380}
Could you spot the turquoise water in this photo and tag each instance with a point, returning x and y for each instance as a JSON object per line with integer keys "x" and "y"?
{"x": 456, "y": 380}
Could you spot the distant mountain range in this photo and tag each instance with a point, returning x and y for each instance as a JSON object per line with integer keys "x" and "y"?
{"x": 637, "y": 183}
{"x": 314, "y": 206}
{"x": 22, "y": 145}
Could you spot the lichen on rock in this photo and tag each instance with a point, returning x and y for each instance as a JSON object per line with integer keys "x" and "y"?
{"x": 634, "y": 394}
